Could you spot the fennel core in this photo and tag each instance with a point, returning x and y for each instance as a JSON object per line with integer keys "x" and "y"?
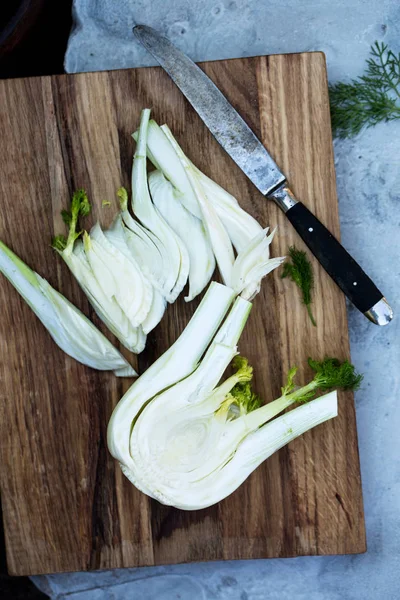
{"x": 300, "y": 271}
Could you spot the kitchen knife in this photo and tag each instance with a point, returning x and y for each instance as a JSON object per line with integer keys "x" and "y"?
{"x": 251, "y": 156}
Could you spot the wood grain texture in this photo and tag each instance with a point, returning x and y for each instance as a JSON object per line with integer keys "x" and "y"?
{"x": 66, "y": 505}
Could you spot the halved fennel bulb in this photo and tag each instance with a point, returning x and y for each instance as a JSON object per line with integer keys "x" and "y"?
{"x": 188, "y": 440}
{"x": 68, "y": 327}
{"x": 192, "y": 462}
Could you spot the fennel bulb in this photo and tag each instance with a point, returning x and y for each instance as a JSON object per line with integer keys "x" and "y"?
{"x": 68, "y": 327}
{"x": 191, "y": 442}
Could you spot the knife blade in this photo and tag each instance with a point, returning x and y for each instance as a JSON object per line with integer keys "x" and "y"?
{"x": 239, "y": 141}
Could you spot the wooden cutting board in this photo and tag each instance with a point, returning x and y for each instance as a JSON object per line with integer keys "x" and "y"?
{"x": 66, "y": 504}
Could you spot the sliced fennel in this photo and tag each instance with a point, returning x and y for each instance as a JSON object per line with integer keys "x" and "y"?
{"x": 118, "y": 275}
{"x": 249, "y": 269}
{"x": 195, "y": 440}
{"x": 156, "y": 312}
{"x": 174, "y": 254}
{"x": 140, "y": 249}
{"x": 225, "y": 221}
{"x": 143, "y": 245}
{"x": 156, "y": 302}
{"x": 107, "y": 309}
{"x": 136, "y": 242}
{"x": 68, "y": 327}
{"x": 188, "y": 228}
{"x": 219, "y": 238}
{"x": 239, "y": 225}
{"x": 162, "y": 155}
{"x": 105, "y": 304}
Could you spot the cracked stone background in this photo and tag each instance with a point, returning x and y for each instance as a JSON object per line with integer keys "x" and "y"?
{"x": 368, "y": 180}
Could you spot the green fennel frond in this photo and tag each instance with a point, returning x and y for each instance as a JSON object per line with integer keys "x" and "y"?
{"x": 245, "y": 397}
{"x": 59, "y": 242}
{"x": 289, "y": 387}
{"x": 66, "y": 217}
{"x": 331, "y": 373}
{"x": 244, "y": 371}
{"x": 242, "y": 393}
{"x": 370, "y": 99}
{"x": 123, "y": 198}
{"x": 80, "y": 207}
{"x": 300, "y": 271}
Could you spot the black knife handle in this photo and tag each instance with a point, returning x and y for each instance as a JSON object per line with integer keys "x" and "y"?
{"x": 337, "y": 262}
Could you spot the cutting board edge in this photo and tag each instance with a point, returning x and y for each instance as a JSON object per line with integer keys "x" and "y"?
{"x": 156, "y": 66}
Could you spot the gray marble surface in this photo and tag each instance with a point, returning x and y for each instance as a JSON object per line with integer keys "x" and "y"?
{"x": 368, "y": 178}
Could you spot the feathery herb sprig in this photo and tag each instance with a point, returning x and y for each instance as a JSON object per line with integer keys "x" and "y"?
{"x": 370, "y": 99}
{"x": 300, "y": 271}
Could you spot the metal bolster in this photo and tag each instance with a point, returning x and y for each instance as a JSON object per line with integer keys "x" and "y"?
{"x": 283, "y": 197}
